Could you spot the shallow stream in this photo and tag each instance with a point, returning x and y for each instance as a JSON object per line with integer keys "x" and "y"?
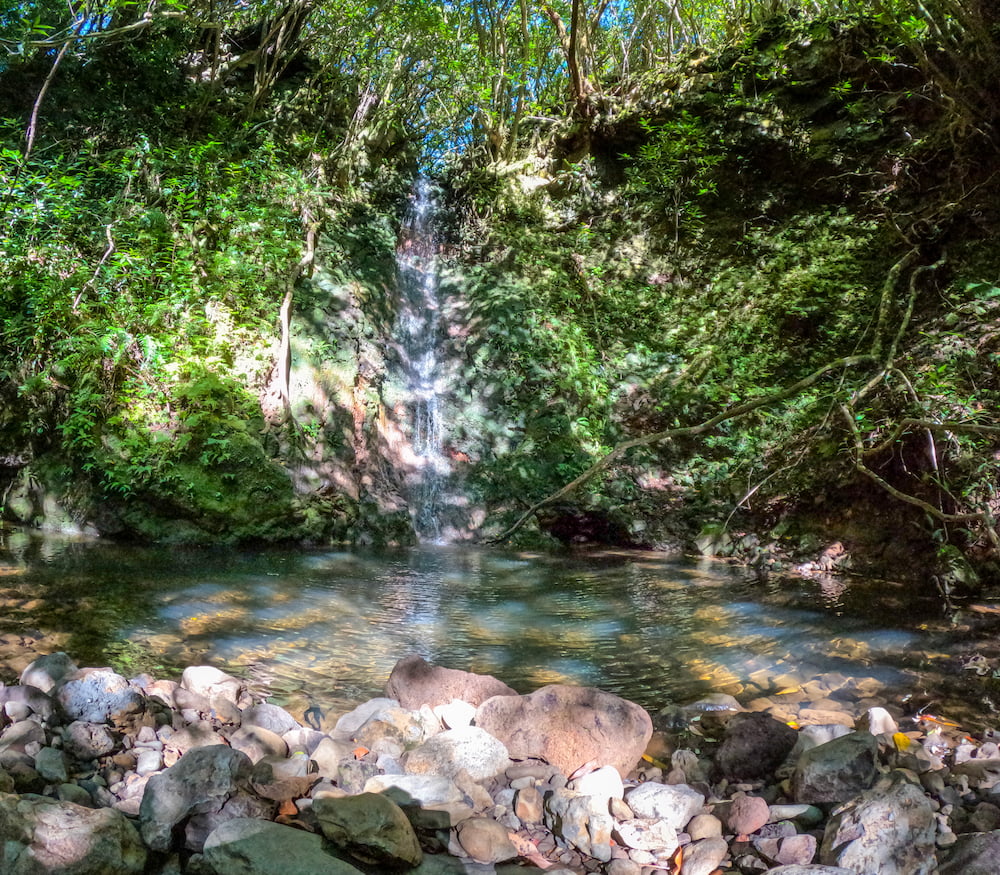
{"x": 326, "y": 627}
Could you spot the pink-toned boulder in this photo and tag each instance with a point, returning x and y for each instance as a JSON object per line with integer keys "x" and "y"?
{"x": 415, "y": 682}
{"x": 569, "y": 727}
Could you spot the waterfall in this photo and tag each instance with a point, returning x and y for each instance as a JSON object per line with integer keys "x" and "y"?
{"x": 419, "y": 330}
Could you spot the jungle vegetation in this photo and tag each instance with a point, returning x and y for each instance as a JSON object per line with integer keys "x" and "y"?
{"x": 722, "y": 262}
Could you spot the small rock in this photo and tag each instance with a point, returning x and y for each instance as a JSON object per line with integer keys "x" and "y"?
{"x": 212, "y": 683}
{"x": 704, "y": 826}
{"x": 797, "y": 850}
{"x": 455, "y": 714}
{"x": 656, "y": 836}
{"x": 51, "y": 765}
{"x": 878, "y": 721}
{"x": 605, "y": 782}
{"x": 485, "y": 840}
{"x": 271, "y": 717}
{"x": 528, "y": 805}
{"x": 744, "y": 814}
{"x": 704, "y": 856}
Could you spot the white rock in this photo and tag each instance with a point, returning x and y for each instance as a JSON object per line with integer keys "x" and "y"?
{"x": 605, "y": 782}
{"x": 455, "y": 714}
{"x": 656, "y": 836}
{"x": 674, "y": 803}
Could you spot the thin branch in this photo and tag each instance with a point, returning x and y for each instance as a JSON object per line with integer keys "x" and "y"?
{"x": 983, "y": 517}
{"x": 646, "y": 440}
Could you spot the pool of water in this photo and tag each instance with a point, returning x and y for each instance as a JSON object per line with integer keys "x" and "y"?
{"x": 326, "y": 627}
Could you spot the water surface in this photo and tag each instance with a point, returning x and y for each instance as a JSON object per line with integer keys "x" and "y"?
{"x": 326, "y": 627}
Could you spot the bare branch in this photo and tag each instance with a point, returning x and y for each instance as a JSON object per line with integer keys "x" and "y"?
{"x": 647, "y": 440}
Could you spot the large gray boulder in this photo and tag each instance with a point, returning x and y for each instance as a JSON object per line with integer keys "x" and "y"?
{"x": 43, "y": 836}
{"x": 569, "y": 727}
{"x": 414, "y": 682}
{"x": 99, "y": 695}
{"x": 245, "y": 846}
{"x": 836, "y": 771}
{"x": 202, "y": 781}
{"x": 370, "y": 827}
{"x": 976, "y": 853}
{"x": 890, "y": 830}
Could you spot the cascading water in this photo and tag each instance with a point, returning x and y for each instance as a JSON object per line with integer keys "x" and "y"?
{"x": 418, "y": 335}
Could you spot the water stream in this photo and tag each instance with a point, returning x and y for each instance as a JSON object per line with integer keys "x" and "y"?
{"x": 418, "y": 333}
{"x": 326, "y": 627}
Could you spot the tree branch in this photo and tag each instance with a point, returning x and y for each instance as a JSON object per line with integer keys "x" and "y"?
{"x": 646, "y": 440}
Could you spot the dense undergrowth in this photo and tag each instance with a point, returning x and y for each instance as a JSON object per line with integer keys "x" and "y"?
{"x": 748, "y": 219}
{"x": 148, "y": 242}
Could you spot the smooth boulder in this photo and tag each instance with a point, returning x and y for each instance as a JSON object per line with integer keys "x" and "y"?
{"x": 43, "y": 836}
{"x": 414, "y": 682}
{"x": 370, "y": 827}
{"x": 569, "y": 727}
{"x": 245, "y": 846}
{"x": 201, "y": 782}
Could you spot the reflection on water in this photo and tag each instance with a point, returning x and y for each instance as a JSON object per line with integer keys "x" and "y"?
{"x": 328, "y": 627}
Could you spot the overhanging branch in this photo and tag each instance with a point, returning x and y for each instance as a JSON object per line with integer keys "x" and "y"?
{"x": 686, "y": 431}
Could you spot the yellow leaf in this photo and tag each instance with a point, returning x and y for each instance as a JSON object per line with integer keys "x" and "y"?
{"x": 901, "y": 741}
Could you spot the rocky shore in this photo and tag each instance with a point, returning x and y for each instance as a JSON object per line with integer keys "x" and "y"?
{"x": 453, "y": 772}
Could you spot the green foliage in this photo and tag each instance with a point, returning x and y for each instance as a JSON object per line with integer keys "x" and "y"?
{"x": 673, "y": 171}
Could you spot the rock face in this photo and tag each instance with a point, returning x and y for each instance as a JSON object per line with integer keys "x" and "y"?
{"x": 370, "y": 827}
{"x": 568, "y": 727}
{"x": 39, "y": 836}
{"x": 415, "y": 682}
{"x": 889, "y": 830}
